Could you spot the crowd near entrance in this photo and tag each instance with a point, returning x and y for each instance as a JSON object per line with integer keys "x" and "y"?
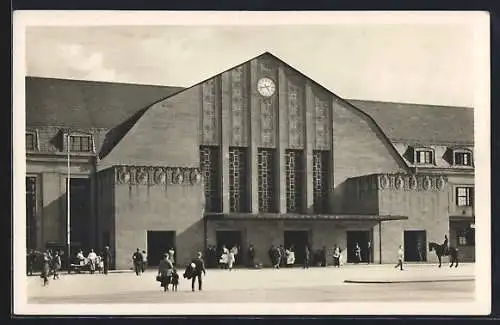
{"x": 359, "y": 247}
{"x": 159, "y": 242}
{"x": 230, "y": 239}
{"x": 414, "y": 246}
{"x": 297, "y": 240}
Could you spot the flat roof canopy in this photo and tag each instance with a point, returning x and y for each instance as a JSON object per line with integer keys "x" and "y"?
{"x": 299, "y": 216}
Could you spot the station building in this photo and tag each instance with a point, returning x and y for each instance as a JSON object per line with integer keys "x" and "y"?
{"x": 259, "y": 154}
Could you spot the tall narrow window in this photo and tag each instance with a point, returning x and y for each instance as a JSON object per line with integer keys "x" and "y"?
{"x": 320, "y": 181}
{"x": 30, "y": 141}
{"x": 266, "y": 181}
{"x": 81, "y": 143}
{"x": 294, "y": 177}
{"x": 31, "y": 213}
{"x": 464, "y": 196}
{"x": 209, "y": 164}
{"x": 238, "y": 178}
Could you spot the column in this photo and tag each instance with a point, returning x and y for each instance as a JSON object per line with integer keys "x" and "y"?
{"x": 309, "y": 143}
{"x": 331, "y": 159}
{"x": 254, "y": 138}
{"x": 225, "y": 92}
{"x": 281, "y": 143}
{"x": 93, "y": 229}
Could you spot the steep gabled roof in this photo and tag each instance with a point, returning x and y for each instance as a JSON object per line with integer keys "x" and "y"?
{"x": 421, "y": 124}
{"x": 87, "y": 104}
{"x": 338, "y": 98}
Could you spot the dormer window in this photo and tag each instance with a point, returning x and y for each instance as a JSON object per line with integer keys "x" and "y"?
{"x": 80, "y": 143}
{"x": 31, "y": 141}
{"x": 424, "y": 156}
{"x": 462, "y": 158}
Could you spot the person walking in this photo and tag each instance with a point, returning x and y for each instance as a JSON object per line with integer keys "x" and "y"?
{"x": 400, "y": 258}
{"x": 336, "y": 256}
{"x": 369, "y": 252}
{"x": 57, "y": 264}
{"x": 45, "y": 268}
{"x": 144, "y": 261}
{"x": 231, "y": 257}
{"x": 106, "y": 259}
{"x": 171, "y": 255}
{"x": 307, "y": 255}
{"x": 251, "y": 256}
{"x": 357, "y": 253}
{"x": 137, "y": 259}
{"x": 92, "y": 257}
{"x": 198, "y": 269}
{"x": 165, "y": 271}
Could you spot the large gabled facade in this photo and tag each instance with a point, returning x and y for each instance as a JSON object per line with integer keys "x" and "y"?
{"x": 259, "y": 154}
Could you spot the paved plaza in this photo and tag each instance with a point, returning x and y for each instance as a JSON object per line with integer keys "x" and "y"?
{"x": 362, "y": 283}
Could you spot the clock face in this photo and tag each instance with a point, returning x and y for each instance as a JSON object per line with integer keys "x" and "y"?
{"x": 266, "y": 87}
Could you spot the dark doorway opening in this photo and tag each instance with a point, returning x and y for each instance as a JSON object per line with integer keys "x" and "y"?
{"x": 80, "y": 214}
{"x": 229, "y": 239}
{"x": 361, "y": 238}
{"x": 415, "y": 245}
{"x": 298, "y": 239}
{"x": 159, "y": 243}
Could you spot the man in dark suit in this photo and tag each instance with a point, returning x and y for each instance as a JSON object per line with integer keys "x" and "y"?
{"x": 137, "y": 258}
{"x": 106, "y": 259}
{"x": 198, "y": 269}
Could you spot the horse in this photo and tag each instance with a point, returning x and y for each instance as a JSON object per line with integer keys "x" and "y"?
{"x": 439, "y": 249}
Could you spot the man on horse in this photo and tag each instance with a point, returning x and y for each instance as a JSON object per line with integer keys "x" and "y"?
{"x": 445, "y": 246}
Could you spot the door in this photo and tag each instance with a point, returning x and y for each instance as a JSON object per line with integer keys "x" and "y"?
{"x": 159, "y": 242}
{"x": 415, "y": 246}
{"x": 229, "y": 239}
{"x": 298, "y": 239}
{"x": 361, "y": 238}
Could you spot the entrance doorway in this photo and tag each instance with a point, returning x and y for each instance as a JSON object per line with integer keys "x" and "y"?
{"x": 298, "y": 239}
{"x": 415, "y": 245}
{"x": 362, "y": 238}
{"x": 159, "y": 242}
{"x": 230, "y": 238}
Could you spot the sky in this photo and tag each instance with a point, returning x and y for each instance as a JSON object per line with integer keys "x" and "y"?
{"x": 409, "y": 63}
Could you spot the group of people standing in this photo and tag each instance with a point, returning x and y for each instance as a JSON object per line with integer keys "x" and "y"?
{"x": 168, "y": 275}
{"x": 95, "y": 262}
{"x": 228, "y": 257}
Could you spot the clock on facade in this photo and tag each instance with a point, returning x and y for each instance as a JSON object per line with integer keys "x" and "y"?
{"x": 266, "y": 87}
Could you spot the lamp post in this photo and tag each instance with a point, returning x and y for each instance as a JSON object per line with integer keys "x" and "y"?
{"x": 68, "y": 203}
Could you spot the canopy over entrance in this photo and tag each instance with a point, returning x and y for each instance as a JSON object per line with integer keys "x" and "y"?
{"x": 298, "y": 216}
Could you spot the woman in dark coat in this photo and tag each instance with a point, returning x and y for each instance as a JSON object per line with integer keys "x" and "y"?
{"x": 165, "y": 271}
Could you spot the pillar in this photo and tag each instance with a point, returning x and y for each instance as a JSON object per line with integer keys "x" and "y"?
{"x": 254, "y": 138}
{"x": 225, "y": 136}
{"x": 281, "y": 143}
{"x": 309, "y": 143}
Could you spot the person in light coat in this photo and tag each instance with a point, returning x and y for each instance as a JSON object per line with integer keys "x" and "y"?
{"x": 401, "y": 257}
{"x": 92, "y": 257}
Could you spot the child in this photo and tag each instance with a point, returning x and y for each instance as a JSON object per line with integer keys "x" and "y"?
{"x": 174, "y": 280}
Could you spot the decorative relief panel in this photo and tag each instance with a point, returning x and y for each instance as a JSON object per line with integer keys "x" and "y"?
{"x": 321, "y": 108}
{"x": 404, "y": 182}
{"x": 295, "y": 117}
{"x": 154, "y": 176}
{"x": 209, "y": 116}
{"x": 267, "y": 122}
{"x": 239, "y": 107}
